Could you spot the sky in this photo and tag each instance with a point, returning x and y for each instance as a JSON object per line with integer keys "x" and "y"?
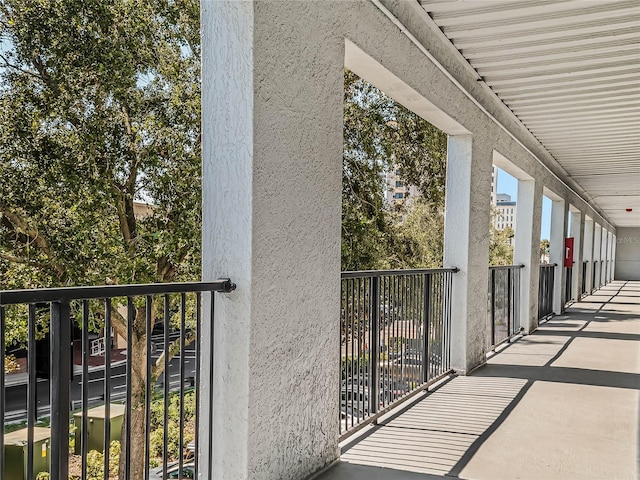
{"x": 509, "y": 185}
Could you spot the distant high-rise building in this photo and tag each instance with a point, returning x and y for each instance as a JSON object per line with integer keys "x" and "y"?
{"x": 505, "y": 212}
{"x": 397, "y": 191}
{"x": 505, "y": 208}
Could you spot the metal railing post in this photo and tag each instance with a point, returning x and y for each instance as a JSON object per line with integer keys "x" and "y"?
{"x": 375, "y": 344}
{"x": 426, "y": 318}
{"x": 493, "y": 307}
{"x": 60, "y": 379}
{"x": 509, "y": 297}
{"x": 2, "y": 385}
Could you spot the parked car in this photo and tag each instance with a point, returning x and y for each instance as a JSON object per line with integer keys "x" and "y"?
{"x": 173, "y": 471}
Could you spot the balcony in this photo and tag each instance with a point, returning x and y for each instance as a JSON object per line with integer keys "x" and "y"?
{"x": 547, "y": 91}
{"x": 570, "y": 387}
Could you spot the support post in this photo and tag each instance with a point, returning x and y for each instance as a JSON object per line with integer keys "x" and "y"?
{"x": 466, "y": 245}
{"x": 527, "y": 250}
{"x": 577, "y": 232}
{"x": 272, "y": 147}
{"x": 559, "y": 216}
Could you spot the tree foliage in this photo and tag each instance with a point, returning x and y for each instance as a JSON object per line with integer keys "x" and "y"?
{"x": 100, "y": 107}
{"x": 500, "y": 243}
{"x": 381, "y": 135}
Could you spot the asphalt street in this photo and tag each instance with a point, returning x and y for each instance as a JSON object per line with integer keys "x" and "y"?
{"x": 16, "y": 395}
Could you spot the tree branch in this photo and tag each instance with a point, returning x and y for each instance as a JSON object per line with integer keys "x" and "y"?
{"x": 38, "y": 240}
{"x": 174, "y": 349}
{"x": 8, "y": 64}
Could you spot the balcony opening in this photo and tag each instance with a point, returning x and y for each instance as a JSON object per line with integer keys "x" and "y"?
{"x": 395, "y": 320}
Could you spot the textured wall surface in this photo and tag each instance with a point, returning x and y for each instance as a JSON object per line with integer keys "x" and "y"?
{"x": 467, "y": 246}
{"x": 627, "y": 252}
{"x": 272, "y": 152}
{"x": 228, "y": 223}
{"x": 526, "y": 250}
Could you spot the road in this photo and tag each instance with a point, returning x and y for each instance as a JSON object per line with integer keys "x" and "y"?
{"x": 16, "y": 396}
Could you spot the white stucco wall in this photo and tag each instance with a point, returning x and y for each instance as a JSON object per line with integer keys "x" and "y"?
{"x": 627, "y": 254}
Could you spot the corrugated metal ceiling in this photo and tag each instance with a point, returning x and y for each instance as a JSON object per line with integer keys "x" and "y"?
{"x": 570, "y": 71}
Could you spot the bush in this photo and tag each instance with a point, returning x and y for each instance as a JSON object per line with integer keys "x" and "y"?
{"x": 174, "y": 449}
{"x": 95, "y": 462}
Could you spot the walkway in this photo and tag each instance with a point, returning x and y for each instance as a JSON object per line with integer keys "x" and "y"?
{"x": 563, "y": 403}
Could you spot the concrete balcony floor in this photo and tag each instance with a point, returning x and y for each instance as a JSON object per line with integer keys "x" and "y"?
{"x": 563, "y": 403}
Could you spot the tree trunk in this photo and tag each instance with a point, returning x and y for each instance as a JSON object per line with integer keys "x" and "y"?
{"x": 137, "y": 435}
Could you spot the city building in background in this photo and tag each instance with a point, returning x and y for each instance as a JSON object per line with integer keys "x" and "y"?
{"x": 397, "y": 190}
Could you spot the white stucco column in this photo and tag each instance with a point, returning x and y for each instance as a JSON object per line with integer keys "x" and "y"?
{"x": 577, "y": 232}
{"x": 466, "y": 246}
{"x": 603, "y": 257}
{"x": 588, "y": 252}
{"x": 614, "y": 244}
{"x": 559, "y": 216}
{"x": 608, "y": 258}
{"x": 597, "y": 254}
{"x": 527, "y": 250}
{"x": 272, "y": 174}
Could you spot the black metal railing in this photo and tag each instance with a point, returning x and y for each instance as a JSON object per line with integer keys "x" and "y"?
{"x": 568, "y": 284}
{"x": 150, "y": 379}
{"x": 602, "y": 273}
{"x": 583, "y": 285}
{"x": 545, "y": 290}
{"x": 395, "y": 339}
{"x": 594, "y": 273}
{"x": 504, "y": 304}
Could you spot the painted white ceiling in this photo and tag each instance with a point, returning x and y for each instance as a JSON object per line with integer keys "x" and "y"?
{"x": 570, "y": 72}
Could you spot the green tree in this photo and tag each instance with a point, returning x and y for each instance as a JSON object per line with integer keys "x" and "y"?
{"x": 419, "y": 241}
{"x": 500, "y": 243}
{"x": 380, "y": 135}
{"x": 100, "y": 107}
{"x": 544, "y": 250}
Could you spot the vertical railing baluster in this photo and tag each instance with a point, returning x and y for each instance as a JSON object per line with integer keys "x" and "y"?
{"x": 183, "y": 347}
{"x": 362, "y": 362}
{"x": 375, "y": 331}
{"x": 198, "y": 362}
{"x": 131, "y": 315}
{"x": 509, "y": 297}
{"x": 60, "y": 376}
{"x": 165, "y": 383}
{"x": 107, "y": 386}
{"x": 343, "y": 350}
{"x": 449, "y": 307}
{"x": 426, "y": 318}
{"x": 212, "y": 344}
{"x": 84, "y": 433}
{"x": 32, "y": 385}
{"x": 493, "y": 307}
{"x": 355, "y": 379}
{"x": 149, "y": 384}
{"x": 2, "y": 385}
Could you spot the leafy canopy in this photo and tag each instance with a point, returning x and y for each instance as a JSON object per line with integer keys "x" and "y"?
{"x": 99, "y": 107}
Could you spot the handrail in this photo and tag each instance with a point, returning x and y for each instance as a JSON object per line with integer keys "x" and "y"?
{"x": 505, "y": 267}
{"x": 65, "y": 294}
{"x": 383, "y": 273}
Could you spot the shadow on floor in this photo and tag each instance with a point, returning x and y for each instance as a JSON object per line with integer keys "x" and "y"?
{"x": 352, "y": 471}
